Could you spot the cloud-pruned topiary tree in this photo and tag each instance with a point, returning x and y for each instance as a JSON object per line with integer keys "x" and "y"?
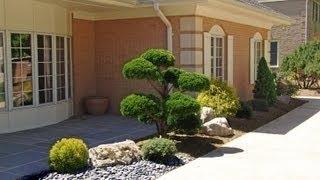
{"x": 303, "y": 65}
{"x": 169, "y": 108}
{"x": 265, "y": 86}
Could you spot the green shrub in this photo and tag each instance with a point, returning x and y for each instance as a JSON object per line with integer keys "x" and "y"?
{"x": 68, "y": 156}
{"x": 142, "y": 107}
{"x": 158, "y": 150}
{"x": 159, "y": 57}
{"x": 285, "y": 87}
{"x": 140, "y": 69}
{"x": 157, "y": 67}
{"x": 221, "y": 98}
{"x": 188, "y": 124}
{"x": 245, "y": 111}
{"x": 303, "y": 65}
{"x": 265, "y": 86}
{"x": 193, "y": 82}
{"x": 180, "y": 104}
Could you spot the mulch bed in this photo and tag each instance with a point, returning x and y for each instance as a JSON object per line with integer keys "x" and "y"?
{"x": 199, "y": 145}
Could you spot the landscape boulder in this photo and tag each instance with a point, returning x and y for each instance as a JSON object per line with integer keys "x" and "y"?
{"x": 122, "y": 153}
{"x": 217, "y": 127}
{"x": 207, "y": 114}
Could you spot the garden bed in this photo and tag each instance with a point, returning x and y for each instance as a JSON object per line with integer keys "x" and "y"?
{"x": 199, "y": 145}
{"x": 189, "y": 148}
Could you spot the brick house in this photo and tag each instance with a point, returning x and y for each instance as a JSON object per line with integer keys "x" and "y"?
{"x": 55, "y": 53}
{"x": 285, "y": 39}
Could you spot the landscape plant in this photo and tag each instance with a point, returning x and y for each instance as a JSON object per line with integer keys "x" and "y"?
{"x": 245, "y": 111}
{"x": 68, "y": 155}
{"x": 221, "y": 98}
{"x": 158, "y": 150}
{"x": 170, "y": 108}
{"x": 302, "y": 65}
{"x": 265, "y": 85}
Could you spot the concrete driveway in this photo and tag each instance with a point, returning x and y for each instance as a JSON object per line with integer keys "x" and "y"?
{"x": 26, "y": 152}
{"x": 285, "y": 149}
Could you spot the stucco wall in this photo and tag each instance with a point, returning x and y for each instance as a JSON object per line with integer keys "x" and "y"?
{"x": 242, "y": 35}
{"x": 84, "y": 80}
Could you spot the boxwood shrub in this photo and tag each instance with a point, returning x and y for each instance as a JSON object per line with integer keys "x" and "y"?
{"x": 158, "y": 150}
{"x": 68, "y": 155}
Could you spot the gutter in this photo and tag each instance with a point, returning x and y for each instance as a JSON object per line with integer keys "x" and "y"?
{"x": 166, "y": 22}
{"x": 306, "y": 23}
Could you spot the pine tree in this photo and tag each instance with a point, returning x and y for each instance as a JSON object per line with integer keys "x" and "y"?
{"x": 265, "y": 86}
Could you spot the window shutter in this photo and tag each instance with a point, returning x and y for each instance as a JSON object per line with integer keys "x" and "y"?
{"x": 207, "y": 55}
{"x": 267, "y": 51}
{"x": 230, "y": 60}
{"x": 252, "y": 80}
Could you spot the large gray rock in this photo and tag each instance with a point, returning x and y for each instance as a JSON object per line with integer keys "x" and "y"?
{"x": 207, "y": 114}
{"x": 122, "y": 153}
{"x": 217, "y": 127}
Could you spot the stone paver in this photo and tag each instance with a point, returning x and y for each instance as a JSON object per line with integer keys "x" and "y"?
{"x": 285, "y": 149}
{"x": 26, "y": 152}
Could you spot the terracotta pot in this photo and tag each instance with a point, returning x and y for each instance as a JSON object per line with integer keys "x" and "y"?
{"x": 97, "y": 105}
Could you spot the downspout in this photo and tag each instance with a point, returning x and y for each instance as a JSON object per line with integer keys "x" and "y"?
{"x": 166, "y": 22}
{"x": 306, "y": 22}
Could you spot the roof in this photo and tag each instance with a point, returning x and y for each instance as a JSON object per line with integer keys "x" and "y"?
{"x": 257, "y": 4}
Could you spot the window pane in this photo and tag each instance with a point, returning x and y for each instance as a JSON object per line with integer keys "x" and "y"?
{"x": 27, "y": 99}
{"x": 42, "y": 97}
{"x": 48, "y": 42}
{"x": 45, "y": 69}
{"x": 25, "y": 40}
{"x": 26, "y": 70}
{"x": 15, "y": 40}
{"x": 21, "y": 58}
{"x": 48, "y": 55}
{"x": 17, "y": 99}
{"x": 16, "y": 69}
{"x": 48, "y": 82}
{"x": 61, "y": 81}
{"x": 40, "y": 41}
{"x": 274, "y": 53}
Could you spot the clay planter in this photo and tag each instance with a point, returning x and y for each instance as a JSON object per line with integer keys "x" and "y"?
{"x": 96, "y": 105}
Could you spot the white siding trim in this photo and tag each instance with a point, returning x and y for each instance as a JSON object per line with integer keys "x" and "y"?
{"x": 252, "y": 64}
{"x": 230, "y": 60}
{"x": 207, "y": 54}
{"x": 267, "y": 54}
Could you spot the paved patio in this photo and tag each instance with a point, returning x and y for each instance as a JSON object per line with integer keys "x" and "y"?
{"x": 25, "y": 152}
{"x": 285, "y": 149}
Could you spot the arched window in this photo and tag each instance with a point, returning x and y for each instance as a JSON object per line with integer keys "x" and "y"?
{"x": 217, "y": 56}
{"x": 258, "y": 52}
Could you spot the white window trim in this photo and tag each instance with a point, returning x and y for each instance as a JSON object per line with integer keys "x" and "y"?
{"x": 217, "y": 32}
{"x": 37, "y": 73}
{"x": 9, "y": 70}
{"x": 35, "y": 90}
{"x": 71, "y": 69}
{"x": 65, "y": 71}
{"x": 5, "y": 64}
{"x": 214, "y": 56}
{"x": 257, "y": 38}
{"x": 278, "y": 54}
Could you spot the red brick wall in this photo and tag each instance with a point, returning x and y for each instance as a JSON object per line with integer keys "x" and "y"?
{"x": 83, "y": 62}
